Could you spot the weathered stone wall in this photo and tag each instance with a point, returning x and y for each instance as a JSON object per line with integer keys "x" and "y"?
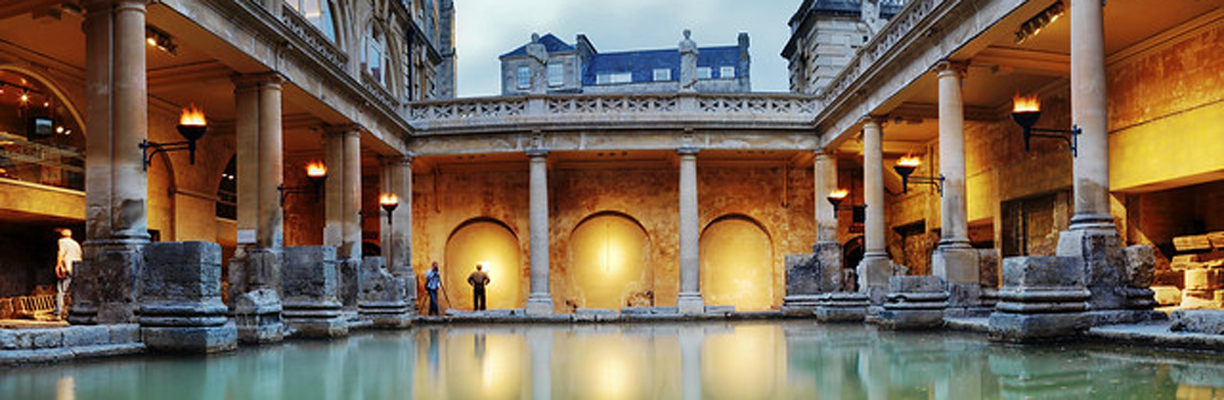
{"x": 779, "y": 199}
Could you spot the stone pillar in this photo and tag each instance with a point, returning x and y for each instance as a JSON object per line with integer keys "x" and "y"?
{"x": 1092, "y": 237}
{"x": 397, "y": 229}
{"x": 116, "y": 189}
{"x": 181, "y": 308}
{"x": 954, "y": 259}
{"x": 876, "y": 268}
{"x": 311, "y": 287}
{"x": 539, "y": 302}
{"x": 381, "y": 300}
{"x": 690, "y": 301}
{"x": 808, "y": 275}
{"x": 254, "y": 272}
{"x": 826, "y": 182}
{"x": 342, "y": 228}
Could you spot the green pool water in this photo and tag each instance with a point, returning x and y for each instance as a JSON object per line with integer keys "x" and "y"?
{"x": 749, "y": 360}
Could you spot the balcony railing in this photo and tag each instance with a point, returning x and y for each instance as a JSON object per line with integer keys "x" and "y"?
{"x": 42, "y": 164}
{"x": 560, "y": 109}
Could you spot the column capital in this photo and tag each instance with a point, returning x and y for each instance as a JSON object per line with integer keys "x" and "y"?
{"x": 825, "y": 153}
{"x": 399, "y": 159}
{"x": 945, "y": 67}
{"x": 537, "y": 153}
{"x": 270, "y": 78}
{"x": 688, "y": 151}
{"x": 877, "y": 120}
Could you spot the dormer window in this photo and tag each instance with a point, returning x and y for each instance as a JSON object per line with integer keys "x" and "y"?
{"x": 704, "y": 73}
{"x": 318, "y": 13}
{"x": 726, "y": 72}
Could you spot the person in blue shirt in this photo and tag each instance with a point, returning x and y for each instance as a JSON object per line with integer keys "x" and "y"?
{"x": 433, "y": 281}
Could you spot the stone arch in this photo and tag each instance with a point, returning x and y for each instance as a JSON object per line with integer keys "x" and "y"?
{"x": 493, "y": 243}
{"x": 609, "y": 260}
{"x": 736, "y": 255}
{"x": 51, "y": 86}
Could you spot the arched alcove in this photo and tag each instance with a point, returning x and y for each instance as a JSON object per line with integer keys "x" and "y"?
{"x": 736, "y": 264}
{"x": 609, "y": 257}
{"x": 493, "y": 244}
{"x": 42, "y": 134}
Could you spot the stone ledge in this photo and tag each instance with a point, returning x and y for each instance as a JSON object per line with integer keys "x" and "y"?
{"x": 19, "y": 357}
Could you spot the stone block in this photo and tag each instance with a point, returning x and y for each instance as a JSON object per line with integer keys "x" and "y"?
{"x": 257, "y": 315}
{"x": 195, "y": 339}
{"x": 539, "y": 305}
{"x": 1204, "y": 279}
{"x": 956, "y": 264}
{"x": 310, "y": 285}
{"x": 913, "y": 302}
{"x": 802, "y": 274}
{"x": 916, "y": 284}
{"x": 1167, "y": 295}
{"x": 86, "y": 335}
{"x": 1170, "y": 278}
{"x": 8, "y": 339}
{"x": 1042, "y": 272}
{"x": 1027, "y": 328}
{"x": 690, "y": 303}
{"x": 350, "y": 281}
{"x": 1140, "y": 266}
{"x": 382, "y": 295}
{"x": 988, "y": 267}
{"x": 1101, "y": 255}
{"x": 124, "y": 333}
{"x": 1198, "y": 321}
{"x": 113, "y": 277}
{"x": 842, "y": 307}
{"x": 1197, "y": 299}
{"x": 873, "y": 274}
{"x": 829, "y": 262}
{"x": 181, "y": 308}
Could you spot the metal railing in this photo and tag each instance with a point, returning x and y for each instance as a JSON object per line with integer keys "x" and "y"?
{"x": 43, "y": 164}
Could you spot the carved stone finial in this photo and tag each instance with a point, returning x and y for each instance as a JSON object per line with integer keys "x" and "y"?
{"x": 535, "y": 37}
{"x": 688, "y": 34}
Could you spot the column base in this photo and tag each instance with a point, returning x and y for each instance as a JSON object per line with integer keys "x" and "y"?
{"x": 539, "y": 304}
{"x": 257, "y": 314}
{"x": 958, "y": 265}
{"x": 191, "y": 339}
{"x": 873, "y": 274}
{"x": 843, "y": 307}
{"x": 1098, "y": 250}
{"x": 315, "y": 320}
{"x": 802, "y": 305}
{"x": 690, "y": 303}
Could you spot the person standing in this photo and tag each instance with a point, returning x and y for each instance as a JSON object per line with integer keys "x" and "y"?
{"x": 478, "y": 279}
{"x": 69, "y": 254}
{"x": 433, "y": 281}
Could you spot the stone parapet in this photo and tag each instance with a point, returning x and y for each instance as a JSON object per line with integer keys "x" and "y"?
{"x": 382, "y": 295}
{"x": 913, "y": 302}
{"x": 310, "y": 285}
{"x": 181, "y": 308}
{"x": 1042, "y": 298}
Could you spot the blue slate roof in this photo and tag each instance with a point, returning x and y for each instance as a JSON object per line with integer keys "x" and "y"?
{"x": 642, "y": 63}
{"x": 551, "y": 43}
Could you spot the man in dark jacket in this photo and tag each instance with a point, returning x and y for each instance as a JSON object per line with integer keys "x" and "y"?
{"x": 478, "y": 279}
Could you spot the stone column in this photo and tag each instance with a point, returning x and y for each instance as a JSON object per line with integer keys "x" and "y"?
{"x": 539, "y": 302}
{"x": 396, "y": 231}
{"x": 254, "y": 272}
{"x": 826, "y": 182}
{"x": 1092, "y": 237}
{"x": 116, "y": 187}
{"x": 342, "y": 228}
{"x": 876, "y": 268}
{"x": 690, "y": 301}
{"x": 1088, "y": 112}
{"x": 954, "y": 260}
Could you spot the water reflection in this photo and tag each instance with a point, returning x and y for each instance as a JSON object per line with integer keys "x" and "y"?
{"x": 681, "y": 361}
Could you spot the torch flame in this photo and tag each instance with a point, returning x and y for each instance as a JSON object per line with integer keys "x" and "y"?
{"x": 839, "y": 193}
{"x": 909, "y": 161}
{"x": 192, "y": 116}
{"x": 316, "y": 169}
{"x": 1026, "y": 103}
{"x": 388, "y": 199}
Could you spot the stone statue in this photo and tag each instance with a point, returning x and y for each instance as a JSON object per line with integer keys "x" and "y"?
{"x": 688, "y": 63}
{"x": 537, "y": 58}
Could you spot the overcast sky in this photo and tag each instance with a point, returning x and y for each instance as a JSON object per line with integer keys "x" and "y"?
{"x": 485, "y": 29}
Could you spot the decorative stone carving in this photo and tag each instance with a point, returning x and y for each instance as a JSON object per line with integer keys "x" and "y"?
{"x": 914, "y": 302}
{"x": 537, "y": 58}
{"x": 688, "y": 63}
{"x": 382, "y": 295}
{"x": 311, "y": 305}
{"x": 1043, "y": 298}
{"x": 181, "y": 308}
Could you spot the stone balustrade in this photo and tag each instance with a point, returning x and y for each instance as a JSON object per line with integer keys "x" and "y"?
{"x": 515, "y": 112}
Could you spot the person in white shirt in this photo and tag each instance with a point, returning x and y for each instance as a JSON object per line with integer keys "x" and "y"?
{"x": 69, "y": 255}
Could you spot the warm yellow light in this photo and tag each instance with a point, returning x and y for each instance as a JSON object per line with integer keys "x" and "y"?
{"x": 484, "y": 265}
{"x": 1026, "y": 103}
{"x": 909, "y": 161}
{"x": 316, "y": 169}
{"x": 25, "y": 97}
{"x": 839, "y": 194}
{"x": 192, "y": 116}
{"x": 152, "y": 41}
{"x": 388, "y": 199}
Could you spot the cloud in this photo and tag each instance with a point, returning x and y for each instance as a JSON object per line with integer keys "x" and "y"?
{"x": 487, "y": 28}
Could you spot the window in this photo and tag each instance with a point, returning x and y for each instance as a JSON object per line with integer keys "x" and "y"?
{"x": 726, "y": 72}
{"x": 662, "y": 74}
{"x": 556, "y": 74}
{"x": 318, "y": 12}
{"x": 703, "y": 72}
{"x": 524, "y": 77}
{"x": 374, "y": 55}
{"x": 613, "y": 78}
